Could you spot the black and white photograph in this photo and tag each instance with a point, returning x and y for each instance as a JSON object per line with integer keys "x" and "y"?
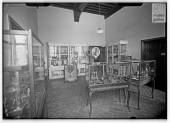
{"x": 84, "y": 60}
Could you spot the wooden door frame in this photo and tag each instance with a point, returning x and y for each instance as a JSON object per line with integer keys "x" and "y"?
{"x": 147, "y": 40}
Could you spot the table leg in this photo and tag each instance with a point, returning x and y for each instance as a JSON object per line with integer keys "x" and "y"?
{"x": 138, "y": 96}
{"x": 128, "y": 99}
{"x": 124, "y": 95}
{"x": 119, "y": 95}
{"x": 153, "y": 87}
{"x": 87, "y": 101}
{"x": 90, "y": 95}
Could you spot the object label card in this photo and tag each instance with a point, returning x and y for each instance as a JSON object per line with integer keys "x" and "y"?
{"x": 158, "y": 12}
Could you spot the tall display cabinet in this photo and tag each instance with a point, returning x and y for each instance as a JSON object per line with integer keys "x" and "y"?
{"x": 117, "y": 52}
{"x": 24, "y": 86}
{"x": 59, "y": 55}
{"x": 78, "y": 54}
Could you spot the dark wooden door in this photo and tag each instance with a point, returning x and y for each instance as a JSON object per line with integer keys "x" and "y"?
{"x": 156, "y": 49}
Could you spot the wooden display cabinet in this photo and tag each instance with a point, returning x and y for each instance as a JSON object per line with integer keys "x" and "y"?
{"x": 117, "y": 52}
{"x": 78, "y": 56}
{"x": 57, "y": 57}
{"x": 61, "y": 55}
{"x": 20, "y": 84}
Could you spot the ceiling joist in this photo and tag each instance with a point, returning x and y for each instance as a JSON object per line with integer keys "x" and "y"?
{"x": 106, "y": 9}
{"x": 78, "y": 9}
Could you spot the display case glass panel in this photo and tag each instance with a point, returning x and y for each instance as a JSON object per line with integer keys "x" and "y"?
{"x": 57, "y": 56}
{"x": 39, "y": 75}
{"x": 102, "y": 73}
{"x": 54, "y": 55}
{"x": 143, "y": 71}
{"x": 117, "y": 52}
{"x": 74, "y": 54}
{"x": 17, "y": 96}
{"x": 64, "y": 55}
{"x": 38, "y": 60}
{"x": 96, "y": 73}
{"x": 23, "y": 75}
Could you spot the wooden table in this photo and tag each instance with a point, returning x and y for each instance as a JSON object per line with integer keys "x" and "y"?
{"x": 106, "y": 87}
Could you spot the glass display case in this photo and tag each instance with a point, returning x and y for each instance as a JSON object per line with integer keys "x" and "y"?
{"x": 96, "y": 73}
{"x": 39, "y": 75}
{"x": 82, "y": 60}
{"x": 54, "y": 56}
{"x": 117, "y": 52}
{"x": 143, "y": 72}
{"x": 64, "y": 55}
{"x": 102, "y": 73}
{"x": 74, "y": 54}
{"x": 78, "y": 57}
{"x": 119, "y": 72}
{"x": 61, "y": 55}
{"x": 109, "y": 54}
{"x": 38, "y": 59}
{"x": 104, "y": 77}
{"x": 19, "y": 83}
{"x": 57, "y": 57}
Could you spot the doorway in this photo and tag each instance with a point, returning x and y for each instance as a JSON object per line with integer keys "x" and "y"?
{"x": 156, "y": 49}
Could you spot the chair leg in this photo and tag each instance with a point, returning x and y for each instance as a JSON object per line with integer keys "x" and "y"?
{"x": 90, "y": 95}
{"x": 138, "y": 96}
{"x": 153, "y": 87}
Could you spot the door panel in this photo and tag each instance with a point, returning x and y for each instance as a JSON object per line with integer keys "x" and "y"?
{"x": 156, "y": 49}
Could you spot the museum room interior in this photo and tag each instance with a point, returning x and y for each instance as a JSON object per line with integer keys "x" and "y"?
{"x": 86, "y": 60}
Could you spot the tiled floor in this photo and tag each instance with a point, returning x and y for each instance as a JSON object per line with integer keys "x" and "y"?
{"x": 68, "y": 100}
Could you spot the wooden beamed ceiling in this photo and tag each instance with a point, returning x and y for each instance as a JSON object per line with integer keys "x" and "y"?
{"x": 106, "y": 9}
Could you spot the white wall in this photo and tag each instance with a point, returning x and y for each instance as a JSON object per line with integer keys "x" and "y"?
{"x": 57, "y": 25}
{"x": 133, "y": 24}
{"x": 23, "y": 15}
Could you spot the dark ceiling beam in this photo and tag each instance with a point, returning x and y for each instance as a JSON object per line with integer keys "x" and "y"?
{"x": 112, "y": 11}
{"x": 91, "y": 11}
{"x": 118, "y": 6}
{"x": 106, "y": 9}
{"x": 38, "y": 4}
{"x": 94, "y": 11}
{"x": 130, "y": 4}
{"x": 78, "y": 9}
{"x": 82, "y": 6}
{"x": 102, "y": 5}
{"x": 111, "y": 5}
{"x": 97, "y": 8}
